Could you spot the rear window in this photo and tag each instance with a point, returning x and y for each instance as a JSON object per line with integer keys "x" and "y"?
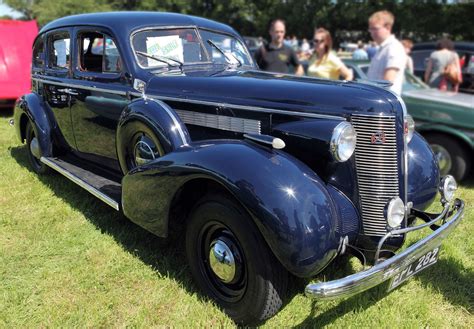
{"x": 38, "y": 53}
{"x": 420, "y": 58}
{"x": 99, "y": 53}
{"x": 59, "y": 54}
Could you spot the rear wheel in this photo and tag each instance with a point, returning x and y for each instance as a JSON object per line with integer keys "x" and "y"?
{"x": 452, "y": 158}
{"x": 231, "y": 262}
{"x": 34, "y": 151}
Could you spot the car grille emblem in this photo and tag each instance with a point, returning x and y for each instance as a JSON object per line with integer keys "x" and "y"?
{"x": 378, "y": 138}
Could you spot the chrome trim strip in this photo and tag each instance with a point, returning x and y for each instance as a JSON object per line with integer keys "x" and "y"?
{"x": 221, "y": 122}
{"x": 170, "y": 112}
{"x": 95, "y": 192}
{"x": 73, "y": 85}
{"x": 195, "y": 101}
{"x": 361, "y": 281}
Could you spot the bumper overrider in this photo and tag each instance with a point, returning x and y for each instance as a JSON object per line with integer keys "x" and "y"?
{"x": 353, "y": 284}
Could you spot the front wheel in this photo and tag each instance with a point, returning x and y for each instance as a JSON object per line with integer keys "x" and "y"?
{"x": 231, "y": 262}
{"x": 34, "y": 151}
{"x": 452, "y": 158}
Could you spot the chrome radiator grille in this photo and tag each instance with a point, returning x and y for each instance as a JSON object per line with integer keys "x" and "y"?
{"x": 377, "y": 169}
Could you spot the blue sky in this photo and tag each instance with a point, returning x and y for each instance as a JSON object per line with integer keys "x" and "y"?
{"x": 5, "y": 10}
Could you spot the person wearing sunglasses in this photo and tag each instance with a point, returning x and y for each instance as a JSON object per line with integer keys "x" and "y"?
{"x": 390, "y": 60}
{"x": 325, "y": 63}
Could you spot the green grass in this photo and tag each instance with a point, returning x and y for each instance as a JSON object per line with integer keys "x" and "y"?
{"x": 67, "y": 259}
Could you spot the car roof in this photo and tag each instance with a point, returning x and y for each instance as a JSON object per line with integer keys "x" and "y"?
{"x": 458, "y": 45}
{"x": 126, "y": 22}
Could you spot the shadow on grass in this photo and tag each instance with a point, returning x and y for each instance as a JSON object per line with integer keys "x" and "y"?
{"x": 167, "y": 256}
{"x": 451, "y": 278}
{"x": 6, "y": 113}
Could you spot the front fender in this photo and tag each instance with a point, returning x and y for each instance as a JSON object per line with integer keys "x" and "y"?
{"x": 423, "y": 173}
{"x": 36, "y": 111}
{"x": 289, "y": 203}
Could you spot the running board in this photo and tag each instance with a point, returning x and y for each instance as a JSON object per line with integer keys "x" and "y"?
{"x": 106, "y": 190}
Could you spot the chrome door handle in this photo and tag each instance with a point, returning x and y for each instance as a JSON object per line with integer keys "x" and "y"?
{"x": 72, "y": 92}
{"x": 69, "y": 91}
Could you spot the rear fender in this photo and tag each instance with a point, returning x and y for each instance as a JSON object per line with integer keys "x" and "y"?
{"x": 288, "y": 202}
{"x": 31, "y": 107}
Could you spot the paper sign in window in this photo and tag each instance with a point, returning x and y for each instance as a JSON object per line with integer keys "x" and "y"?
{"x": 167, "y": 46}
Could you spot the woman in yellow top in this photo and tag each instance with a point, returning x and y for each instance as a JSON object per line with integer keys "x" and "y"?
{"x": 326, "y": 64}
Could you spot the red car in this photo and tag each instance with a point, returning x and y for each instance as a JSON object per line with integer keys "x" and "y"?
{"x": 16, "y": 41}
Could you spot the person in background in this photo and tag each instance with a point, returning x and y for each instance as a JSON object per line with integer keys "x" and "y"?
{"x": 294, "y": 43}
{"x": 408, "y": 45}
{"x": 437, "y": 64}
{"x": 305, "y": 47}
{"x": 276, "y": 56}
{"x": 325, "y": 63}
{"x": 360, "y": 54}
{"x": 371, "y": 49}
{"x": 390, "y": 60}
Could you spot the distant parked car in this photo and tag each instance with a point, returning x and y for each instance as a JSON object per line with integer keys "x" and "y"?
{"x": 421, "y": 53}
{"x": 445, "y": 119}
{"x": 253, "y": 43}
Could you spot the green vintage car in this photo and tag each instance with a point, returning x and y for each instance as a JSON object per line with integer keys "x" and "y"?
{"x": 445, "y": 119}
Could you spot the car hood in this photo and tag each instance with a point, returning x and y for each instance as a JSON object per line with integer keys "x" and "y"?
{"x": 272, "y": 90}
{"x": 437, "y": 96}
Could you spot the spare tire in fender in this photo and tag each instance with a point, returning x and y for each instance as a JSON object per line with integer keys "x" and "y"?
{"x": 148, "y": 129}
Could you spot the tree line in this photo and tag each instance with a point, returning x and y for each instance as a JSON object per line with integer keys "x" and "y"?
{"x": 419, "y": 20}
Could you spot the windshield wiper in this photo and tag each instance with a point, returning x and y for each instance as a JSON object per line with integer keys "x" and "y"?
{"x": 163, "y": 59}
{"x": 230, "y": 58}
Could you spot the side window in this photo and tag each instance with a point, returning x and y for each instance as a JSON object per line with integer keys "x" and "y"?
{"x": 38, "y": 53}
{"x": 59, "y": 50}
{"x": 99, "y": 53}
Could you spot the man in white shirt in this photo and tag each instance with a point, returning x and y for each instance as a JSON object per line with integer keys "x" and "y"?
{"x": 390, "y": 60}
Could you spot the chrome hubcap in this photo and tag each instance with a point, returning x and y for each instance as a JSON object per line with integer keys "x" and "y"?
{"x": 222, "y": 261}
{"x": 34, "y": 148}
{"x": 143, "y": 152}
{"x": 443, "y": 157}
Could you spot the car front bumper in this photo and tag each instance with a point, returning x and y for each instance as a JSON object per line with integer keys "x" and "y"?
{"x": 384, "y": 270}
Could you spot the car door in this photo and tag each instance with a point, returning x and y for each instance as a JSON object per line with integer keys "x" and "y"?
{"x": 53, "y": 82}
{"x": 100, "y": 95}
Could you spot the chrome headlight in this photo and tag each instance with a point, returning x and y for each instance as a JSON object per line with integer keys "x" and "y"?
{"x": 448, "y": 187}
{"x": 409, "y": 127}
{"x": 343, "y": 141}
{"x": 395, "y": 212}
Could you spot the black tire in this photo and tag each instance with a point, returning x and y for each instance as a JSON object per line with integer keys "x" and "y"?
{"x": 38, "y": 167}
{"x": 132, "y": 133}
{"x": 256, "y": 289}
{"x": 453, "y": 158}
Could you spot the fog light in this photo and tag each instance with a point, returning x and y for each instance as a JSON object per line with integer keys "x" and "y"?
{"x": 448, "y": 187}
{"x": 395, "y": 212}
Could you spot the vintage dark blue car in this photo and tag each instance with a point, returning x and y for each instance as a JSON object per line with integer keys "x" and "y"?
{"x": 166, "y": 118}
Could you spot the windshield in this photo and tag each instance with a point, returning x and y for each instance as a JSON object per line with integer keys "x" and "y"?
{"x": 412, "y": 82}
{"x": 157, "y": 48}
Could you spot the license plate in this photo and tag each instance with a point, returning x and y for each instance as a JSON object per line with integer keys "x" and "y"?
{"x": 419, "y": 265}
